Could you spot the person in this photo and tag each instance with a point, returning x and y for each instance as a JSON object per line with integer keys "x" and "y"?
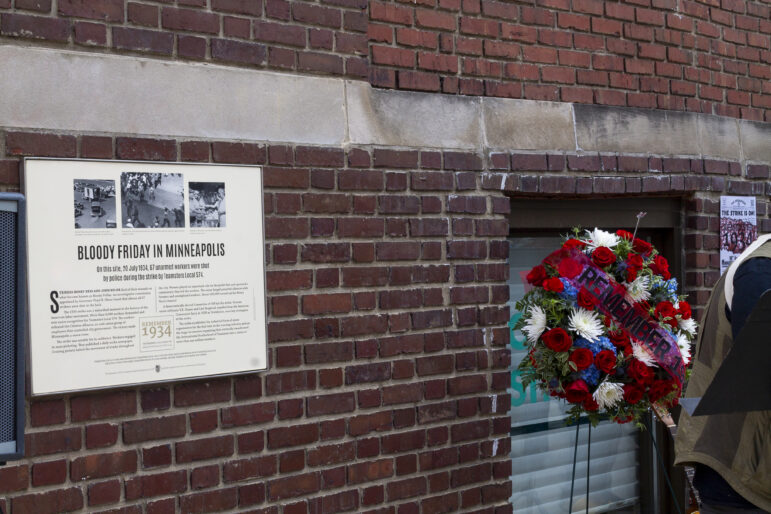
{"x": 166, "y": 217}
{"x": 731, "y": 453}
{"x": 220, "y": 203}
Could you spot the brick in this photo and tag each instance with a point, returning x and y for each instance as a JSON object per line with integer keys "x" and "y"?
{"x": 141, "y": 40}
{"x": 103, "y": 465}
{"x": 101, "y": 493}
{"x": 191, "y": 20}
{"x": 203, "y": 449}
{"x": 40, "y": 145}
{"x": 34, "y": 27}
{"x": 408, "y": 488}
{"x": 156, "y": 456}
{"x": 298, "y": 485}
{"x": 194, "y": 150}
{"x": 192, "y": 47}
{"x": 101, "y": 435}
{"x": 146, "y": 149}
{"x": 17, "y": 478}
{"x": 153, "y": 428}
{"x": 107, "y": 10}
{"x": 203, "y": 421}
{"x": 244, "y": 469}
{"x": 250, "y": 414}
{"x": 49, "y": 412}
{"x": 209, "y": 501}
{"x": 103, "y": 405}
{"x": 384, "y": 158}
{"x": 360, "y": 180}
{"x": 403, "y": 442}
{"x": 237, "y": 7}
{"x": 160, "y": 484}
{"x": 330, "y": 404}
{"x": 237, "y": 51}
{"x": 201, "y": 393}
{"x": 60, "y": 500}
{"x": 238, "y": 153}
{"x": 370, "y": 471}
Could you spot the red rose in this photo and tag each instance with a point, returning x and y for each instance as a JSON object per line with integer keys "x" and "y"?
{"x": 660, "y": 389}
{"x": 684, "y": 310}
{"x": 642, "y": 247}
{"x": 660, "y": 266}
{"x": 577, "y": 391}
{"x": 582, "y": 357}
{"x": 573, "y": 243}
{"x": 553, "y": 284}
{"x": 664, "y": 310}
{"x": 619, "y": 338}
{"x": 641, "y": 373}
{"x": 557, "y": 339}
{"x": 633, "y": 393}
{"x": 634, "y": 261}
{"x": 537, "y": 275}
{"x": 603, "y": 256}
{"x": 631, "y": 275}
{"x": 569, "y": 268}
{"x": 590, "y": 404}
{"x": 624, "y": 234}
{"x": 605, "y": 361}
{"x": 586, "y": 299}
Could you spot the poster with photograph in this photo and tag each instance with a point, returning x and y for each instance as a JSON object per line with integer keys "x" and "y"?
{"x": 738, "y": 227}
{"x": 145, "y": 281}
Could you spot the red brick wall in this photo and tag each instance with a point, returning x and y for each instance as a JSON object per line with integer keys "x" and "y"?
{"x": 327, "y": 37}
{"x": 386, "y": 389}
{"x": 708, "y": 56}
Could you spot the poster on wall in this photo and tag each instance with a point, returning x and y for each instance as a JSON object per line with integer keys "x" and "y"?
{"x": 143, "y": 272}
{"x": 738, "y": 227}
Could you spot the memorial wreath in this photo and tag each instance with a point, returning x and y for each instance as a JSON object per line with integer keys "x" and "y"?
{"x": 605, "y": 327}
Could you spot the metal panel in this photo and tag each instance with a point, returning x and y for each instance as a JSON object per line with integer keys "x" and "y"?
{"x": 12, "y": 325}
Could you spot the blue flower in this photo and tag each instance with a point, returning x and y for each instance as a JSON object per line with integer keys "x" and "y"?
{"x": 590, "y": 375}
{"x": 570, "y": 292}
{"x": 602, "y": 343}
{"x": 671, "y": 286}
{"x": 605, "y": 344}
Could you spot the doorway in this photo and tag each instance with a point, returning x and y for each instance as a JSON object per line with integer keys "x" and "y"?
{"x": 624, "y": 476}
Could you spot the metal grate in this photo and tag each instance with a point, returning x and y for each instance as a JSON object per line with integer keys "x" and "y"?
{"x": 8, "y": 277}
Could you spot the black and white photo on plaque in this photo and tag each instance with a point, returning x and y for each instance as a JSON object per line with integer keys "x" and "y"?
{"x": 152, "y": 200}
{"x": 207, "y": 204}
{"x": 94, "y": 203}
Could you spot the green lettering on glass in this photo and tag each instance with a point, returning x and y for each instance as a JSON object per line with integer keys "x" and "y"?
{"x": 520, "y": 395}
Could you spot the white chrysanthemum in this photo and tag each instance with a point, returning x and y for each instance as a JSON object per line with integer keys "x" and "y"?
{"x": 642, "y": 355}
{"x": 536, "y": 324}
{"x": 597, "y": 238}
{"x": 586, "y": 323}
{"x": 608, "y": 394}
{"x": 688, "y": 325}
{"x": 638, "y": 290}
{"x": 685, "y": 348}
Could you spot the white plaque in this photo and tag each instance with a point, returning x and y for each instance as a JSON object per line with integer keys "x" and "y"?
{"x": 738, "y": 227}
{"x": 143, "y": 272}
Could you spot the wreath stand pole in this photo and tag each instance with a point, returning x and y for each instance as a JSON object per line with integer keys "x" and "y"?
{"x": 588, "y": 457}
{"x": 573, "y": 478}
{"x": 660, "y": 458}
